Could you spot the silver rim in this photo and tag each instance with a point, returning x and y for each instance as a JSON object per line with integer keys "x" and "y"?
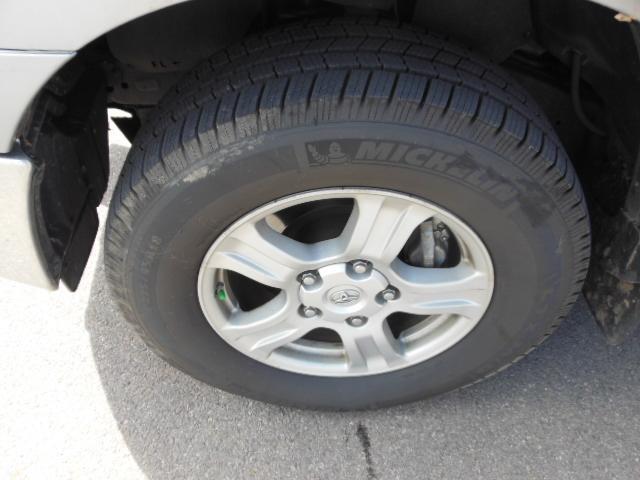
{"x": 347, "y": 305}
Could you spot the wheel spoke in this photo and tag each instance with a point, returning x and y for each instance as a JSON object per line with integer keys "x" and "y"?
{"x": 380, "y": 226}
{"x": 268, "y": 327}
{"x": 372, "y": 349}
{"x": 257, "y": 251}
{"x": 460, "y": 290}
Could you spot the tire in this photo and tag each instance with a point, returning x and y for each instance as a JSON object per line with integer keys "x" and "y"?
{"x": 254, "y": 124}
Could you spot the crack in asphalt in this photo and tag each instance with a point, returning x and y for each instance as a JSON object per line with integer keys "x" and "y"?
{"x": 363, "y": 435}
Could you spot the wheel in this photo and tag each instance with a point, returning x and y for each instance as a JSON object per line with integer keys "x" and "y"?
{"x": 346, "y": 215}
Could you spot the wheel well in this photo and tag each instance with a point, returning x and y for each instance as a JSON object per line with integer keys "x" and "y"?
{"x": 536, "y": 40}
{"x": 540, "y": 42}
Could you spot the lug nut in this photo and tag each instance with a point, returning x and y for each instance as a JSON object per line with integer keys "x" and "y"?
{"x": 310, "y": 312}
{"x": 356, "y": 321}
{"x": 309, "y": 278}
{"x": 389, "y": 294}
{"x": 360, "y": 266}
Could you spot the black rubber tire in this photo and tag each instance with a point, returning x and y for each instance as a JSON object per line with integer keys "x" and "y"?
{"x": 235, "y": 135}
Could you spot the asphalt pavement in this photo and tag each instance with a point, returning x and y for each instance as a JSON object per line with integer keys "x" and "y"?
{"x": 82, "y": 397}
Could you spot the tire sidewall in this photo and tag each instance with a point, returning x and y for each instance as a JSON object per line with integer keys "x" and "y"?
{"x": 518, "y": 221}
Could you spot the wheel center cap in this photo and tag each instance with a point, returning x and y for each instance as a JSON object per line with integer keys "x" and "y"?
{"x": 344, "y": 296}
{"x": 342, "y": 292}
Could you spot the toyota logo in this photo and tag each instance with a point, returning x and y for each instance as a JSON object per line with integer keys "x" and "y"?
{"x": 347, "y": 296}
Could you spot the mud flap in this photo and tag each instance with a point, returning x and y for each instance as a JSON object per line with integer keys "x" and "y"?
{"x": 612, "y": 288}
{"x": 65, "y": 134}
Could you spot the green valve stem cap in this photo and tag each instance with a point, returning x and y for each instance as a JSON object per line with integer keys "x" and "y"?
{"x": 221, "y": 293}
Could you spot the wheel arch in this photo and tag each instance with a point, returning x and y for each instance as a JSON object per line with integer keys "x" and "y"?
{"x": 48, "y": 27}
{"x": 68, "y": 25}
